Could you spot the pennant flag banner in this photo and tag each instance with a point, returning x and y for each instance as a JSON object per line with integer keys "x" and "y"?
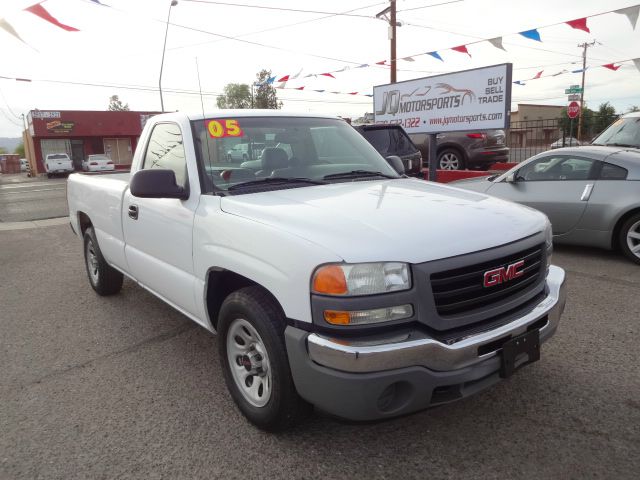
{"x": 408, "y": 59}
{"x": 284, "y": 79}
{"x": 538, "y": 75}
{"x": 636, "y": 62}
{"x": 327, "y": 75}
{"x": 519, "y": 82}
{"x": 363, "y": 65}
{"x": 383, "y": 62}
{"x": 531, "y": 35}
{"x": 561, "y": 72}
{"x": 631, "y": 13}
{"x": 579, "y": 24}
{"x": 435, "y": 55}
{"x": 462, "y": 49}
{"x": 497, "y": 42}
{"x": 42, "y": 12}
{"x": 580, "y": 70}
{"x": 611, "y": 66}
{"x": 6, "y": 26}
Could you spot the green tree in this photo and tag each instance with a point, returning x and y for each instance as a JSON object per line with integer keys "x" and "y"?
{"x": 633, "y": 108}
{"x": 236, "y": 95}
{"x": 115, "y": 105}
{"x": 603, "y": 117}
{"x": 3, "y": 151}
{"x": 20, "y": 149}
{"x": 266, "y": 95}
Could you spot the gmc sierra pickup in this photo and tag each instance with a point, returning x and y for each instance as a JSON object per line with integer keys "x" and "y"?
{"x": 331, "y": 279}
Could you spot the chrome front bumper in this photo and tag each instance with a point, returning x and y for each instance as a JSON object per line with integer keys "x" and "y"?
{"x": 393, "y": 353}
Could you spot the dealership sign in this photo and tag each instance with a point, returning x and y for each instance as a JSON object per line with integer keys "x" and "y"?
{"x": 477, "y": 99}
{"x": 60, "y": 127}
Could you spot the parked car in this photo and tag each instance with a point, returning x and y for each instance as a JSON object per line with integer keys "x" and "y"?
{"x": 97, "y": 163}
{"x": 331, "y": 280}
{"x": 591, "y": 194}
{"x": 24, "y": 165}
{"x": 565, "y": 142}
{"x": 393, "y": 140}
{"x": 624, "y": 132}
{"x": 245, "y": 151}
{"x": 56, "y": 163}
{"x": 476, "y": 150}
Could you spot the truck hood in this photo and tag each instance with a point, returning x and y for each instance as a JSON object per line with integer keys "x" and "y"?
{"x": 402, "y": 220}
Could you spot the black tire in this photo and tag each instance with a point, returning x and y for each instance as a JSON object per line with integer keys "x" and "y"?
{"x": 104, "y": 279}
{"x": 626, "y": 241}
{"x": 450, "y": 159}
{"x": 284, "y": 407}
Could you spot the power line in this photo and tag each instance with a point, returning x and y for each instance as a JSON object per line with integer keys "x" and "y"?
{"x": 429, "y": 6}
{"x": 279, "y": 9}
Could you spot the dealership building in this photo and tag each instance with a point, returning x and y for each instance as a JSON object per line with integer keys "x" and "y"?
{"x": 83, "y": 133}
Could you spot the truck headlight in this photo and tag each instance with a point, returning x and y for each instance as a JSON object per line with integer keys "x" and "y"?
{"x": 344, "y": 279}
{"x": 548, "y": 240}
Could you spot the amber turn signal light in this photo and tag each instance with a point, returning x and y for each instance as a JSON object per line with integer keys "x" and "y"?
{"x": 330, "y": 280}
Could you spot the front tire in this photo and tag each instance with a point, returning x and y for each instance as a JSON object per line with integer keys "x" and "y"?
{"x": 254, "y": 358}
{"x": 630, "y": 238}
{"x": 104, "y": 279}
{"x": 450, "y": 159}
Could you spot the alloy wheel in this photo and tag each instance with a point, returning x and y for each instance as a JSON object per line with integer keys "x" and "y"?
{"x": 92, "y": 262}
{"x": 449, "y": 161}
{"x": 633, "y": 239}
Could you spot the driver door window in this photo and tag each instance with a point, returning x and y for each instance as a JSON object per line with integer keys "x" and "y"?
{"x": 166, "y": 150}
{"x": 558, "y": 168}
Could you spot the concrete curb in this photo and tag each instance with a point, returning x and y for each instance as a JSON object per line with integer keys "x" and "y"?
{"x": 49, "y": 222}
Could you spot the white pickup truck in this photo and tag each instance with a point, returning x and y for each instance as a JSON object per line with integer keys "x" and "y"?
{"x": 331, "y": 279}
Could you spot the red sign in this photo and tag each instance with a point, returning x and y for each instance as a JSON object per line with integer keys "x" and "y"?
{"x": 573, "y": 110}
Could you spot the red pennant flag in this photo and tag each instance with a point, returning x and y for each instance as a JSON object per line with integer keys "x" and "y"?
{"x": 611, "y": 66}
{"x": 461, "y": 49}
{"x": 284, "y": 79}
{"x": 327, "y": 75}
{"x": 383, "y": 62}
{"x": 538, "y": 75}
{"x": 579, "y": 24}
{"x": 300, "y": 88}
{"x": 352, "y": 93}
{"x": 42, "y": 12}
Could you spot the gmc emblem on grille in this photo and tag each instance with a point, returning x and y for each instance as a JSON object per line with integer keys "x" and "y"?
{"x": 503, "y": 274}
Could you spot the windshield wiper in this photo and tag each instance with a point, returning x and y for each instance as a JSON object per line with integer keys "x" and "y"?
{"x": 275, "y": 181}
{"x": 357, "y": 174}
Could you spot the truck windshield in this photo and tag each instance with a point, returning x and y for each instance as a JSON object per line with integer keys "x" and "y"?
{"x": 284, "y": 148}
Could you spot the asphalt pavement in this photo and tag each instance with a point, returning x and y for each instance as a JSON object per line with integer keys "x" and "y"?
{"x": 126, "y": 387}
{"x": 23, "y": 198}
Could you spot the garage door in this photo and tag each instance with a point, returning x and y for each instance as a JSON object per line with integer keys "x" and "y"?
{"x": 55, "y": 146}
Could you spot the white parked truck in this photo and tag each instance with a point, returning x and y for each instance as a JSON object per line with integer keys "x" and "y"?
{"x": 331, "y": 279}
{"x": 55, "y": 163}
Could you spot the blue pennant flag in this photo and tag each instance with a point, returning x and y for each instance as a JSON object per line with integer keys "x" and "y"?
{"x": 580, "y": 70}
{"x": 519, "y": 82}
{"x": 319, "y": 91}
{"x": 368, "y": 95}
{"x": 531, "y": 35}
{"x": 435, "y": 55}
{"x": 270, "y": 80}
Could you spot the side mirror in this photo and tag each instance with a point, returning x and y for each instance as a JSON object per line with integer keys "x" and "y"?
{"x": 511, "y": 178}
{"x": 396, "y": 163}
{"x": 156, "y": 183}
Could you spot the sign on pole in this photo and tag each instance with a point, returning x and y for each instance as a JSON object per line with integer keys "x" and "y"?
{"x": 574, "y": 97}
{"x": 573, "y": 89}
{"x": 573, "y": 110}
{"x": 477, "y": 99}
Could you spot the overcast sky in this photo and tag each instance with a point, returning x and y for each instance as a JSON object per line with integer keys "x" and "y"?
{"x": 123, "y": 45}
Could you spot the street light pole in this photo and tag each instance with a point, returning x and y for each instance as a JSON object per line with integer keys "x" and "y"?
{"x": 164, "y": 47}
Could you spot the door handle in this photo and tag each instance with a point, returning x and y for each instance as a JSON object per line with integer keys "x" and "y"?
{"x": 586, "y": 193}
{"x": 133, "y": 212}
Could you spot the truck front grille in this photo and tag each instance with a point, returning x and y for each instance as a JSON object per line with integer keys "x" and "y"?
{"x": 462, "y": 290}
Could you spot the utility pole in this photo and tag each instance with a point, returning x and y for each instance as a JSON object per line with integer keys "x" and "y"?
{"x": 392, "y": 34}
{"x": 389, "y": 16}
{"x": 584, "y": 47}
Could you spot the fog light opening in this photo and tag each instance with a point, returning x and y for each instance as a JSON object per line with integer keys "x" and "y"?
{"x": 395, "y": 397}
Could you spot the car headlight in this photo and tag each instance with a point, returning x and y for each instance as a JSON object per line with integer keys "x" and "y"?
{"x": 548, "y": 240}
{"x": 344, "y": 279}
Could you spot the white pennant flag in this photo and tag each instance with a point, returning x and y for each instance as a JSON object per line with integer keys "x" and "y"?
{"x": 631, "y": 13}
{"x": 6, "y": 26}
{"x": 296, "y": 75}
{"x": 636, "y": 62}
{"x": 408, "y": 59}
{"x": 497, "y": 42}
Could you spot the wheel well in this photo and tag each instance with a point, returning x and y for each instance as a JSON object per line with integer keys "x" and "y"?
{"x": 618, "y": 227}
{"x": 220, "y": 284}
{"x": 84, "y": 222}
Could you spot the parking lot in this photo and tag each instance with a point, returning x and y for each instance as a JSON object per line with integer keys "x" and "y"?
{"x": 126, "y": 387}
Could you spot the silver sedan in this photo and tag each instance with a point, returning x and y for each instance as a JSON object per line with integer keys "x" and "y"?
{"x": 590, "y": 194}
